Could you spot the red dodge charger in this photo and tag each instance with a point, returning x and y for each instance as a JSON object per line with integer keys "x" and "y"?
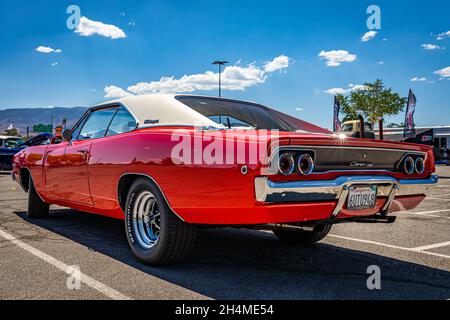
{"x": 167, "y": 164}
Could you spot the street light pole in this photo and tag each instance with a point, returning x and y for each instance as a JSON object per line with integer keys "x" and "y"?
{"x": 220, "y": 64}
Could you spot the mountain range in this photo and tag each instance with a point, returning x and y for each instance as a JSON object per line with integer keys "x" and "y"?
{"x": 21, "y": 118}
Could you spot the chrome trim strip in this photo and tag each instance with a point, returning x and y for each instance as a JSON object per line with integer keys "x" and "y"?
{"x": 291, "y": 160}
{"x": 390, "y": 199}
{"x": 275, "y": 156}
{"x": 157, "y": 185}
{"x": 311, "y": 148}
{"x": 332, "y": 190}
{"x": 414, "y": 153}
{"x": 341, "y": 201}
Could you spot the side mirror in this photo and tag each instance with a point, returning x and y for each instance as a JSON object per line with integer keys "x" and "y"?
{"x": 67, "y": 135}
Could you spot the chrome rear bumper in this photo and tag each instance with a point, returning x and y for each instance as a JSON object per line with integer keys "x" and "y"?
{"x": 332, "y": 190}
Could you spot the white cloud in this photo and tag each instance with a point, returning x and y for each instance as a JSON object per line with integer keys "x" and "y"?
{"x": 299, "y": 109}
{"x": 279, "y": 63}
{"x": 44, "y": 49}
{"x": 369, "y": 36}
{"x": 334, "y": 58}
{"x": 234, "y": 78}
{"x": 429, "y": 46}
{"x": 443, "y": 35}
{"x": 380, "y": 62}
{"x": 114, "y": 92}
{"x": 335, "y": 91}
{"x": 418, "y": 79}
{"x": 89, "y": 27}
{"x": 444, "y": 73}
{"x": 54, "y": 64}
{"x": 351, "y": 88}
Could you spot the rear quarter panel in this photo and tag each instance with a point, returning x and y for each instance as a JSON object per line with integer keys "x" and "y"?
{"x": 186, "y": 187}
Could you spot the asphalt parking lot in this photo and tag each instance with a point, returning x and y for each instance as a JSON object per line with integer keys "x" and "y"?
{"x": 413, "y": 255}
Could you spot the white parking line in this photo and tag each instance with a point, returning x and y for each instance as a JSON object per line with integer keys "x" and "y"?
{"x": 437, "y": 199}
{"x": 87, "y": 280}
{"x": 432, "y": 246}
{"x": 427, "y": 213}
{"x": 380, "y": 244}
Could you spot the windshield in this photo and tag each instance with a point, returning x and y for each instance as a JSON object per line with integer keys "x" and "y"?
{"x": 239, "y": 114}
{"x": 368, "y": 126}
{"x": 347, "y": 128}
{"x": 13, "y": 142}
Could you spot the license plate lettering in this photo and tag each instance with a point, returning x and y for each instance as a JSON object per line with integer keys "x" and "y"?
{"x": 361, "y": 198}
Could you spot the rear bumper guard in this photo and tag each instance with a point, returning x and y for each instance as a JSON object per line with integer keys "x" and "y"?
{"x": 267, "y": 191}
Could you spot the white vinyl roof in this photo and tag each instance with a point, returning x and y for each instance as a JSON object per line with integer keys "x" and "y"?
{"x": 162, "y": 109}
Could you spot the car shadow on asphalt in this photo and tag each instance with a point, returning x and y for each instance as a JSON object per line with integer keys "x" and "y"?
{"x": 242, "y": 264}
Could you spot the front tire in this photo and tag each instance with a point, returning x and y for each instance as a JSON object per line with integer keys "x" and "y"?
{"x": 155, "y": 234}
{"x": 37, "y": 209}
{"x": 303, "y": 237}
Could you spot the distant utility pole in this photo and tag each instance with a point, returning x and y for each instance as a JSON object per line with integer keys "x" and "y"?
{"x": 220, "y": 64}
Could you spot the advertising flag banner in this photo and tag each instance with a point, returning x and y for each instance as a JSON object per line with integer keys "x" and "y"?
{"x": 336, "y": 121}
{"x": 410, "y": 130}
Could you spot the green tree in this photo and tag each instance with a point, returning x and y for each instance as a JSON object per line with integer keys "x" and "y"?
{"x": 395, "y": 125}
{"x": 374, "y": 101}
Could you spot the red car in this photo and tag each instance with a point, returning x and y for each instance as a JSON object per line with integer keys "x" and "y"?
{"x": 167, "y": 164}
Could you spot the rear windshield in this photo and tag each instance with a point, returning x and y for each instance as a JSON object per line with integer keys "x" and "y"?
{"x": 238, "y": 114}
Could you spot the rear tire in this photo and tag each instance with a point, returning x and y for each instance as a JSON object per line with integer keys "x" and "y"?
{"x": 155, "y": 234}
{"x": 37, "y": 209}
{"x": 303, "y": 237}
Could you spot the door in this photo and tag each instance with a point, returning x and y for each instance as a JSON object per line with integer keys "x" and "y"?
{"x": 67, "y": 164}
{"x": 76, "y": 183}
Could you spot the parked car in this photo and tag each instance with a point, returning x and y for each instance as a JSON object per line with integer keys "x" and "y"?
{"x": 9, "y": 146}
{"x": 353, "y": 129}
{"x": 40, "y": 139}
{"x": 148, "y": 160}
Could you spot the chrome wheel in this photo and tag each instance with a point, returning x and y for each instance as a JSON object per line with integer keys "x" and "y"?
{"x": 146, "y": 220}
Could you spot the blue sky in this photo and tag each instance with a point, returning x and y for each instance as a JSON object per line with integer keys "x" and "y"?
{"x": 177, "y": 38}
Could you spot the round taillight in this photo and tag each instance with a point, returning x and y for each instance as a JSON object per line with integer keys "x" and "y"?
{"x": 286, "y": 164}
{"x": 305, "y": 164}
{"x": 409, "y": 165}
{"x": 420, "y": 166}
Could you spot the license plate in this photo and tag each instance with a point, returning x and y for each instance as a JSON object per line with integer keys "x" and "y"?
{"x": 360, "y": 198}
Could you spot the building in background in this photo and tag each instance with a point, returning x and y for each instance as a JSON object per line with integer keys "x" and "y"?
{"x": 437, "y": 137}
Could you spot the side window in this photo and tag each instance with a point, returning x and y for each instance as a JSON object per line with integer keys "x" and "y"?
{"x": 229, "y": 120}
{"x": 76, "y": 130}
{"x": 96, "y": 125}
{"x": 122, "y": 122}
